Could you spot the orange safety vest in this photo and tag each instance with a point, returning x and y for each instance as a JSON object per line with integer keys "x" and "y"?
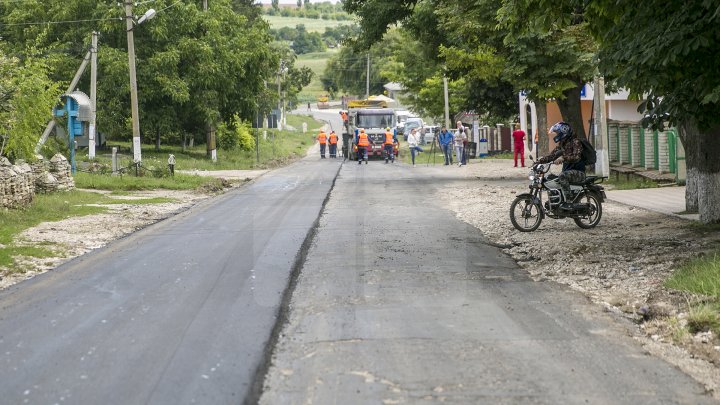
{"x": 388, "y": 138}
{"x": 322, "y": 138}
{"x": 363, "y": 140}
{"x": 333, "y": 138}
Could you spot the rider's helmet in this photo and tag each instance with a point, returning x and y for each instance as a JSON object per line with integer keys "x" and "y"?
{"x": 562, "y": 130}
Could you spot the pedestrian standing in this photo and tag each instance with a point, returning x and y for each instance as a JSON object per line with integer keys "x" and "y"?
{"x": 333, "y": 140}
{"x": 459, "y": 140}
{"x": 322, "y": 138}
{"x": 414, "y": 144}
{"x": 519, "y": 145}
{"x": 446, "y": 139}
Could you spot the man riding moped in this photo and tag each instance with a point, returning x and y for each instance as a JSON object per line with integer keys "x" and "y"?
{"x": 568, "y": 152}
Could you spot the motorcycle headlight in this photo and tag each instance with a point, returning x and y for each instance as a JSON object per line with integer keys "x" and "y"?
{"x": 531, "y": 177}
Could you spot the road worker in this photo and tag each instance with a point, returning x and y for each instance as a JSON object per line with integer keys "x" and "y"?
{"x": 363, "y": 143}
{"x": 389, "y": 145}
{"x": 333, "y": 140}
{"x": 322, "y": 138}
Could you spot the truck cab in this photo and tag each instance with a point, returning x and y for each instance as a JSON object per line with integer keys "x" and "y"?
{"x": 373, "y": 121}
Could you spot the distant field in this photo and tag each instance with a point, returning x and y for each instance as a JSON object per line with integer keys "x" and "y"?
{"x": 311, "y": 24}
{"x": 315, "y": 61}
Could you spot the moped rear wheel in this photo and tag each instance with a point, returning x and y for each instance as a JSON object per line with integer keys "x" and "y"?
{"x": 525, "y": 214}
{"x": 594, "y": 212}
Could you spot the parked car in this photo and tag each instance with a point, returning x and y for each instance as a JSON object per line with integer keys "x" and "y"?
{"x": 410, "y": 123}
{"x": 400, "y": 117}
{"x": 429, "y": 132}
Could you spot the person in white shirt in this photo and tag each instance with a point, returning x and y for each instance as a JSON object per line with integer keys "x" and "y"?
{"x": 414, "y": 144}
{"x": 459, "y": 140}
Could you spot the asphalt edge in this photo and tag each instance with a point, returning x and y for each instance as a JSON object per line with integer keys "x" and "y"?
{"x": 283, "y": 315}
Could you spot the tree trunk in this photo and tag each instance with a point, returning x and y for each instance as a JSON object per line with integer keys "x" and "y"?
{"x": 708, "y": 175}
{"x": 542, "y": 127}
{"x": 688, "y": 135}
{"x": 571, "y": 111}
{"x": 157, "y": 139}
{"x": 184, "y": 142}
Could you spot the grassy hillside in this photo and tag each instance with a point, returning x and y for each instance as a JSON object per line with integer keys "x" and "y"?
{"x": 315, "y": 61}
{"x": 311, "y": 24}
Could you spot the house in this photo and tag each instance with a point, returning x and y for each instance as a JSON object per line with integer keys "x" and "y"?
{"x": 632, "y": 149}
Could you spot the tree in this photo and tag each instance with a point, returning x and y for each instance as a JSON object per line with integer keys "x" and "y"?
{"x": 667, "y": 53}
{"x": 193, "y": 67}
{"x": 306, "y": 42}
{"x": 276, "y": 4}
{"x": 492, "y": 43}
{"x": 26, "y": 96}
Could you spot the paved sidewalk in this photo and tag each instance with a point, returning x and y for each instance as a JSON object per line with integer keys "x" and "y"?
{"x": 666, "y": 200}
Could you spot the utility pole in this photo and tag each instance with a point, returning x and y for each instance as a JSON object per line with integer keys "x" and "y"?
{"x": 280, "y": 112}
{"x": 602, "y": 143}
{"x": 367, "y": 79}
{"x": 70, "y": 89}
{"x": 137, "y": 157}
{"x": 447, "y": 102}
{"x": 211, "y": 147}
{"x": 93, "y": 97}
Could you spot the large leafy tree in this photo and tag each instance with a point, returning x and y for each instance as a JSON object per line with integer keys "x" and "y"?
{"x": 496, "y": 43}
{"x": 667, "y": 52}
{"x": 194, "y": 68}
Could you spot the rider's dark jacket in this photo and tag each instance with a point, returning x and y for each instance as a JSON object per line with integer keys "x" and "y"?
{"x": 571, "y": 151}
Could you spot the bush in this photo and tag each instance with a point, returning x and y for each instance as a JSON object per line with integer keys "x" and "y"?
{"x": 237, "y": 134}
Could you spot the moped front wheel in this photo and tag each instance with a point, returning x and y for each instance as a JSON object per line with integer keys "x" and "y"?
{"x": 525, "y": 214}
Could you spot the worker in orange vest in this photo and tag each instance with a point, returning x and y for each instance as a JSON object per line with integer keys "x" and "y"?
{"x": 322, "y": 138}
{"x": 363, "y": 142}
{"x": 389, "y": 145}
{"x": 333, "y": 139}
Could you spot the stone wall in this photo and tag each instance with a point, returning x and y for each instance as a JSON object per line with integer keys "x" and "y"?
{"x": 20, "y": 182}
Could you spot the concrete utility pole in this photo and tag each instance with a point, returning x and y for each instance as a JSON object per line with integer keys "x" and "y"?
{"x": 93, "y": 97}
{"x": 447, "y": 103}
{"x": 367, "y": 79}
{"x": 137, "y": 157}
{"x": 279, "y": 108}
{"x": 211, "y": 147}
{"x": 602, "y": 143}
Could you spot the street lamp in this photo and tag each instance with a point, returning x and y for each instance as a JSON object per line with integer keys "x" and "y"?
{"x": 133, "y": 79}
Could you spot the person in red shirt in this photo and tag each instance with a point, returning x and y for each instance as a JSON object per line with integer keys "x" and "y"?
{"x": 519, "y": 145}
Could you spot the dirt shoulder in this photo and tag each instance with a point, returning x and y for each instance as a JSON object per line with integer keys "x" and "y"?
{"x": 73, "y": 237}
{"x": 621, "y": 264}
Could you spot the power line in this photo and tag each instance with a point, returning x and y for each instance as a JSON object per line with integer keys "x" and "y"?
{"x": 63, "y": 22}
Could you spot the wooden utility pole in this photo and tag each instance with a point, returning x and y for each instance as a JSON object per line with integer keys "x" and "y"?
{"x": 93, "y": 97}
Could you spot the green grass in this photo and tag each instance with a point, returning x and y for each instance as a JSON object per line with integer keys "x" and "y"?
{"x": 311, "y": 24}
{"x": 278, "y": 149}
{"x": 50, "y": 208}
{"x": 701, "y": 276}
{"x": 633, "y": 183}
{"x": 316, "y": 61}
{"x": 132, "y": 183}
